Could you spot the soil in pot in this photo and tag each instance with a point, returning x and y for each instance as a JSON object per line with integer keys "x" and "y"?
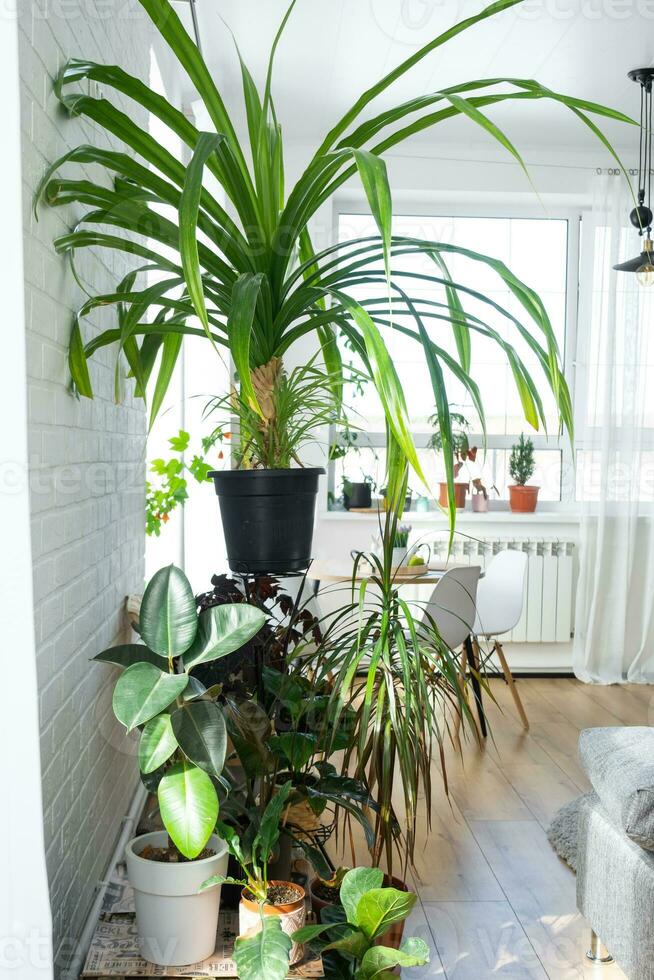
{"x": 323, "y": 894}
{"x": 268, "y": 518}
{"x": 287, "y": 900}
{"x": 523, "y": 499}
{"x": 176, "y": 922}
{"x": 167, "y": 855}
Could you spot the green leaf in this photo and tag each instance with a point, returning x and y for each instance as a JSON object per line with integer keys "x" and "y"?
{"x": 221, "y": 880}
{"x": 379, "y": 959}
{"x": 171, "y": 347}
{"x": 128, "y": 654}
{"x": 189, "y": 807}
{"x": 142, "y": 691}
{"x": 269, "y": 828}
{"x": 374, "y": 178}
{"x": 245, "y": 294}
{"x": 386, "y": 381}
{"x": 380, "y": 908}
{"x": 222, "y": 630}
{"x": 201, "y": 733}
{"x": 355, "y": 884}
{"x": 157, "y": 743}
{"x": 79, "y": 369}
{"x": 297, "y": 747}
{"x": 265, "y": 955}
{"x": 168, "y": 620}
{"x": 189, "y": 207}
{"x": 354, "y": 944}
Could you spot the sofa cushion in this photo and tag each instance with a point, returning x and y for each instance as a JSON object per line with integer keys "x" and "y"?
{"x": 620, "y": 765}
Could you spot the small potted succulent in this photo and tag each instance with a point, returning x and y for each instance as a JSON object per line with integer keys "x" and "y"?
{"x": 523, "y": 496}
{"x": 463, "y": 452}
{"x": 182, "y": 746}
{"x": 358, "y": 929}
{"x": 270, "y": 911}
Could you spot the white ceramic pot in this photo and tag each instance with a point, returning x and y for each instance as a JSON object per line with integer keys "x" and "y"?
{"x": 292, "y": 916}
{"x": 400, "y": 556}
{"x": 176, "y": 924}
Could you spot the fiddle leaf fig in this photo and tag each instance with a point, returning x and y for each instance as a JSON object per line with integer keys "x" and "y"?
{"x": 189, "y": 807}
{"x": 380, "y": 961}
{"x": 168, "y": 620}
{"x": 222, "y": 630}
{"x": 380, "y": 908}
{"x": 157, "y": 743}
{"x": 355, "y": 884}
{"x": 142, "y": 691}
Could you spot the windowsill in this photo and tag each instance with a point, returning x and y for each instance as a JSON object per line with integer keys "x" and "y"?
{"x": 467, "y": 517}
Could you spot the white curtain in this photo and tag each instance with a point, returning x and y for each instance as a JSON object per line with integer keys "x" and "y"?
{"x": 614, "y": 400}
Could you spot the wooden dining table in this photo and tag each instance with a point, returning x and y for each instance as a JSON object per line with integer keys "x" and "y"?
{"x": 332, "y": 571}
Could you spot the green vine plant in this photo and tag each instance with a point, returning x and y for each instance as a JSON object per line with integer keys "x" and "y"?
{"x": 168, "y": 487}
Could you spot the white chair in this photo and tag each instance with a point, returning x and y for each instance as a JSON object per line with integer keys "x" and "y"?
{"x": 452, "y": 604}
{"x": 500, "y": 598}
{"x": 453, "y": 607}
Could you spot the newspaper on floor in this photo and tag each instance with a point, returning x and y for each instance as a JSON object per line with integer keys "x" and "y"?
{"x": 114, "y": 950}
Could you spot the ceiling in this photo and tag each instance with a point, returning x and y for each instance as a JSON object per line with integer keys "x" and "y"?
{"x": 331, "y": 51}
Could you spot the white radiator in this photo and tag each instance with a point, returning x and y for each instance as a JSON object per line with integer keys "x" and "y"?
{"x": 548, "y": 611}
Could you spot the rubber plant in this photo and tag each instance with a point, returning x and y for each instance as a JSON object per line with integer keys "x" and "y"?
{"x": 183, "y": 734}
{"x": 248, "y": 272}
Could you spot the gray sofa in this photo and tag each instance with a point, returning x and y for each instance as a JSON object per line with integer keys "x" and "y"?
{"x": 615, "y": 859}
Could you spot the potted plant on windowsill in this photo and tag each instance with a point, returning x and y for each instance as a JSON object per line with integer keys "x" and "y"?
{"x": 461, "y": 451}
{"x": 523, "y": 496}
{"x": 181, "y": 754}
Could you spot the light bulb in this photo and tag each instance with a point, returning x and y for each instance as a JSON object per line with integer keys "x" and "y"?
{"x": 645, "y": 274}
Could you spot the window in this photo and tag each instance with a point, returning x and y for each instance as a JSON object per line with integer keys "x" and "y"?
{"x": 538, "y": 251}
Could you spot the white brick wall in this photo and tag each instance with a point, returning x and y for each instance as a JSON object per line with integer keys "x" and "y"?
{"x": 86, "y": 473}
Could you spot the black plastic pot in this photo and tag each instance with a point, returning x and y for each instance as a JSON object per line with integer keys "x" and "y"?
{"x": 359, "y": 495}
{"x": 268, "y": 518}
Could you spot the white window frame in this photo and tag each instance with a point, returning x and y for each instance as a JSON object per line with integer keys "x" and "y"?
{"x": 499, "y": 207}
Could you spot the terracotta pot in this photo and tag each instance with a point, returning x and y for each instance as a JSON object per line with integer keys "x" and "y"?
{"x": 293, "y": 916}
{"x": 460, "y": 490}
{"x": 317, "y": 904}
{"x": 523, "y": 500}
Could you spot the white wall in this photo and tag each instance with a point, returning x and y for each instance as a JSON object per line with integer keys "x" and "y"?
{"x": 86, "y": 468}
{"x": 25, "y": 921}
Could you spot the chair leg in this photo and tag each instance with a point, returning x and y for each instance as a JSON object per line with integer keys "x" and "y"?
{"x": 508, "y": 676}
{"x": 463, "y": 667}
{"x": 474, "y": 659}
{"x": 597, "y": 951}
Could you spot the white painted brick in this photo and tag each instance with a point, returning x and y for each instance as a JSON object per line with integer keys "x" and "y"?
{"x": 86, "y": 472}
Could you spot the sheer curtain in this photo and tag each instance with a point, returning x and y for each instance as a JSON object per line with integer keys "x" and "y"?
{"x": 614, "y": 399}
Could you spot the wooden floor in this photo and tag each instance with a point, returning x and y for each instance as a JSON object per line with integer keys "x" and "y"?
{"x": 495, "y": 901}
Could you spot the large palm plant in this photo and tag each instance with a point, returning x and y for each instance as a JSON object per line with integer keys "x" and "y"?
{"x": 253, "y": 281}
